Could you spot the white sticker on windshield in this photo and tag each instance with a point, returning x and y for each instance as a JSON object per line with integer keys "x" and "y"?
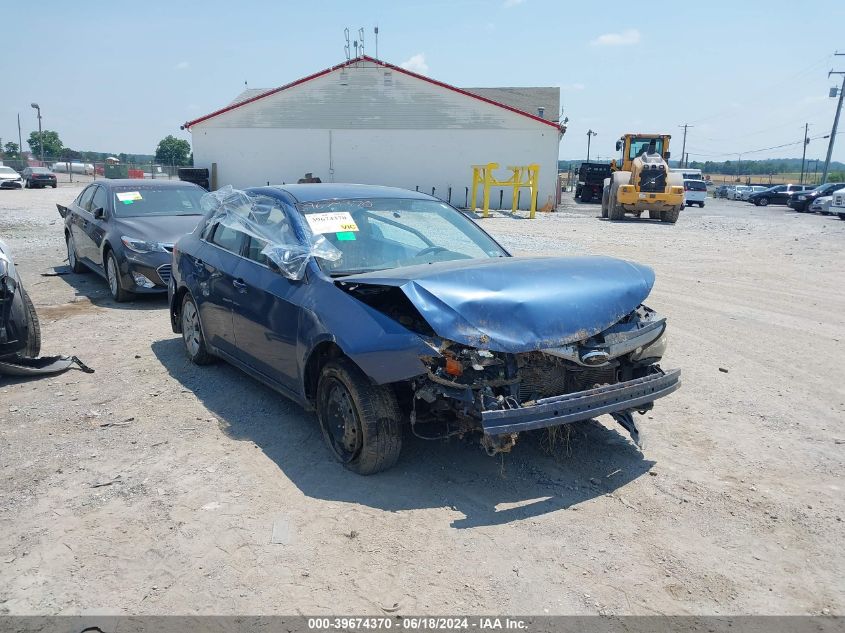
{"x": 123, "y": 196}
{"x": 335, "y": 222}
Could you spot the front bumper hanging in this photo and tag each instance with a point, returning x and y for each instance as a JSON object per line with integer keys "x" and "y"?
{"x": 582, "y": 405}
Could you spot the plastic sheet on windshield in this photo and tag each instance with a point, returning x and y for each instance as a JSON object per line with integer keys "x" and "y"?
{"x": 254, "y": 216}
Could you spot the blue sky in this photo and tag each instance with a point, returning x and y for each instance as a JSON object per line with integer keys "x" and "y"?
{"x": 115, "y": 76}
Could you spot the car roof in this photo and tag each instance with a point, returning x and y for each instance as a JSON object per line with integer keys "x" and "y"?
{"x": 112, "y": 183}
{"x": 311, "y": 192}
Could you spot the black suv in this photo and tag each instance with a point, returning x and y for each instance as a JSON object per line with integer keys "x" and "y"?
{"x": 801, "y": 202}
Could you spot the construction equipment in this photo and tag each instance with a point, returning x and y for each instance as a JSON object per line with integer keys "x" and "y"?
{"x": 643, "y": 181}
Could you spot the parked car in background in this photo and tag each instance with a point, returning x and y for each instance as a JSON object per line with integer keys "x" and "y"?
{"x": 802, "y": 202}
{"x": 721, "y": 191}
{"x": 36, "y": 177}
{"x": 751, "y": 189}
{"x": 124, "y": 230}
{"x": 779, "y": 194}
{"x": 736, "y": 192}
{"x": 837, "y": 204}
{"x": 821, "y": 205}
{"x": 20, "y": 332}
{"x": 9, "y": 178}
{"x": 695, "y": 192}
{"x": 387, "y": 310}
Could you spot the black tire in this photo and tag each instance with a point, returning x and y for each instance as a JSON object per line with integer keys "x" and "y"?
{"x": 361, "y": 422}
{"x": 700, "y": 205}
{"x": 118, "y": 293}
{"x": 33, "y": 341}
{"x": 654, "y": 214}
{"x": 54, "y": 186}
{"x": 605, "y": 195}
{"x": 577, "y": 191}
{"x": 615, "y": 211}
{"x": 192, "y": 334}
{"x": 670, "y": 216}
{"x": 841, "y": 216}
{"x": 762, "y": 202}
{"x": 586, "y": 194}
{"x": 72, "y": 260}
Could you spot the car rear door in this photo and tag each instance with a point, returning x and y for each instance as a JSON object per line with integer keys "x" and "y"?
{"x": 78, "y": 225}
{"x": 266, "y": 315}
{"x": 214, "y": 268}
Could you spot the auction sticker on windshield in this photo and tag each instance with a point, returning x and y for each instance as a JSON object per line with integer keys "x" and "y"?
{"x": 335, "y": 222}
{"x": 128, "y": 196}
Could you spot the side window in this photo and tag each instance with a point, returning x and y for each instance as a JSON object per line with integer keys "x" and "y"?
{"x": 100, "y": 199}
{"x": 227, "y": 238}
{"x": 84, "y": 200}
{"x": 254, "y": 248}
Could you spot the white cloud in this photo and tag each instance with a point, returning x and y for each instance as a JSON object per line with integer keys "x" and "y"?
{"x": 625, "y": 38}
{"x": 182, "y": 66}
{"x": 512, "y": 3}
{"x": 416, "y": 64}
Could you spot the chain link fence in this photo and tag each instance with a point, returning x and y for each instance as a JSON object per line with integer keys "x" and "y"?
{"x": 69, "y": 171}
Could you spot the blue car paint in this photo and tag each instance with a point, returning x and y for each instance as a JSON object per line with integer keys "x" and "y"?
{"x": 520, "y": 304}
{"x": 467, "y": 301}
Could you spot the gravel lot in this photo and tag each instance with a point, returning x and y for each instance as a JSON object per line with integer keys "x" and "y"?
{"x": 154, "y": 487}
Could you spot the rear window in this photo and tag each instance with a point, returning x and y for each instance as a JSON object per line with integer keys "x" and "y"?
{"x": 696, "y": 185}
{"x": 132, "y": 201}
{"x": 40, "y": 170}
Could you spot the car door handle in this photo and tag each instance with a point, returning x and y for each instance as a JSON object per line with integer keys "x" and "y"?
{"x": 240, "y": 284}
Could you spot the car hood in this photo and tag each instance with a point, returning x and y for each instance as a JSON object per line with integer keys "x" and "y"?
{"x": 158, "y": 228}
{"x": 9, "y": 176}
{"x": 517, "y": 304}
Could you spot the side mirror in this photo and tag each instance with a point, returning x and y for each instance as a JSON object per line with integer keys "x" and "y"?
{"x": 99, "y": 213}
{"x": 618, "y": 146}
{"x": 667, "y": 155}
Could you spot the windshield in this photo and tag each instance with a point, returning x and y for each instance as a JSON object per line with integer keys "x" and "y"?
{"x": 394, "y": 232}
{"x": 132, "y": 202}
{"x": 638, "y": 145}
{"x": 8, "y": 171}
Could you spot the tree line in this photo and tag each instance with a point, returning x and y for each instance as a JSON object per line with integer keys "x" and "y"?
{"x": 170, "y": 151}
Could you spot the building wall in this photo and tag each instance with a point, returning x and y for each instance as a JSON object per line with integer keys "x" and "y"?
{"x": 371, "y": 125}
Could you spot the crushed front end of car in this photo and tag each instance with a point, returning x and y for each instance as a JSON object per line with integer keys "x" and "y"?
{"x": 524, "y": 343}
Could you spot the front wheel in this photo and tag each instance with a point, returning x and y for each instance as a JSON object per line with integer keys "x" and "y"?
{"x": 586, "y": 194}
{"x": 670, "y": 216}
{"x": 54, "y": 186}
{"x": 762, "y": 202}
{"x": 360, "y": 421}
{"x": 113, "y": 277}
{"x": 700, "y": 205}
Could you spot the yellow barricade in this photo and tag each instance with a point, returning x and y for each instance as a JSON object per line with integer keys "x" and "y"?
{"x": 521, "y": 176}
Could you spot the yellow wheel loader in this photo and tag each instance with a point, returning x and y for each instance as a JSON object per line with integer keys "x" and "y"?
{"x": 641, "y": 181}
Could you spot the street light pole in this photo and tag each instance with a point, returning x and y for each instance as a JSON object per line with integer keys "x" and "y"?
{"x": 590, "y": 135}
{"x": 40, "y": 134}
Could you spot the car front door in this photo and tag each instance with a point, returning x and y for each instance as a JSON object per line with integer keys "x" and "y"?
{"x": 214, "y": 268}
{"x": 266, "y": 317}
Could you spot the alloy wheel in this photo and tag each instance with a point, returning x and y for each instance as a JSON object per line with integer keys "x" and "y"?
{"x": 191, "y": 328}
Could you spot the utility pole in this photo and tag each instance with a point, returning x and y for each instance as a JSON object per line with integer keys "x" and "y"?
{"x": 835, "y": 122}
{"x": 684, "y": 146}
{"x": 40, "y": 135}
{"x": 804, "y": 155}
{"x": 20, "y": 141}
{"x": 590, "y": 135}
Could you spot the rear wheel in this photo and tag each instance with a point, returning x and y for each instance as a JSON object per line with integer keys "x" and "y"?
{"x": 701, "y": 205}
{"x": 763, "y": 202}
{"x": 586, "y": 194}
{"x": 670, "y": 216}
{"x": 192, "y": 335}
{"x": 615, "y": 210}
{"x": 72, "y": 260}
{"x": 33, "y": 341}
{"x": 361, "y": 422}
{"x": 653, "y": 214}
{"x": 605, "y": 195}
{"x": 113, "y": 277}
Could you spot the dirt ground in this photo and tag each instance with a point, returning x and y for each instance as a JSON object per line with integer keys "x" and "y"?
{"x": 155, "y": 487}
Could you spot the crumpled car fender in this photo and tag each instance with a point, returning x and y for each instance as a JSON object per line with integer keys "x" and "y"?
{"x": 384, "y": 350}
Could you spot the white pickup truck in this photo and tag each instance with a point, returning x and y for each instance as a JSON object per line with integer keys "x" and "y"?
{"x": 837, "y": 205}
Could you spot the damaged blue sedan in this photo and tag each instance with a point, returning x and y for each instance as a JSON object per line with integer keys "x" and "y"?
{"x": 387, "y": 311}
